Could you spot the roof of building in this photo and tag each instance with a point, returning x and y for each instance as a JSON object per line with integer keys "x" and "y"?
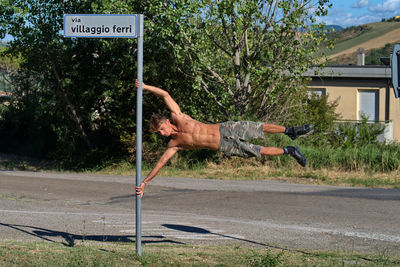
{"x": 351, "y": 71}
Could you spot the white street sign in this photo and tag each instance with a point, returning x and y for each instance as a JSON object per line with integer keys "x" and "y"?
{"x": 100, "y": 25}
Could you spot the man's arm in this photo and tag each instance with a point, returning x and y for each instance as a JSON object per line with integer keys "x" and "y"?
{"x": 168, "y": 154}
{"x": 171, "y": 104}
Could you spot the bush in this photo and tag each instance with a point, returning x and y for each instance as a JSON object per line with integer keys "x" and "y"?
{"x": 322, "y": 115}
{"x": 269, "y": 259}
{"x": 351, "y": 134}
{"x": 376, "y": 157}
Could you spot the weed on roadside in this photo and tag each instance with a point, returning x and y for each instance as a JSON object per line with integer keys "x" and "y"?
{"x": 257, "y": 259}
{"x": 14, "y": 253}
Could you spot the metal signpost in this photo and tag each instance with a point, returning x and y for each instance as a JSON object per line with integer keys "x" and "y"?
{"x": 139, "y": 137}
{"x": 117, "y": 26}
{"x": 396, "y": 70}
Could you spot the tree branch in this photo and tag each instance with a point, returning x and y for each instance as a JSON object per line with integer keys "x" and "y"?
{"x": 220, "y": 80}
{"x": 205, "y": 87}
{"x": 257, "y": 47}
{"x": 70, "y": 109}
{"x": 218, "y": 45}
{"x": 225, "y": 29}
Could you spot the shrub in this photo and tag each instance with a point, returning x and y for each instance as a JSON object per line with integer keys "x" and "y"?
{"x": 268, "y": 259}
{"x": 351, "y": 134}
{"x": 321, "y": 114}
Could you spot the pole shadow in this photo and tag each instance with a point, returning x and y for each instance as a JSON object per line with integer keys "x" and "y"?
{"x": 198, "y": 230}
{"x": 70, "y": 238}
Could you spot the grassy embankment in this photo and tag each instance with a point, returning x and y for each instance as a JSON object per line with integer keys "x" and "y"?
{"x": 375, "y": 30}
{"x": 369, "y": 166}
{"x": 375, "y": 165}
{"x": 53, "y": 254}
{"x": 238, "y": 170}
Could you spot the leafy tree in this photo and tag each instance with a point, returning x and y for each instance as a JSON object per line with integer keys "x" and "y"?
{"x": 248, "y": 56}
{"x": 78, "y": 94}
{"x": 70, "y": 87}
{"x": 219, "y": 59}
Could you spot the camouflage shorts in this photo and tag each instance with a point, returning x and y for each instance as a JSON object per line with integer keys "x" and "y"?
{"x": 233, "y": 135}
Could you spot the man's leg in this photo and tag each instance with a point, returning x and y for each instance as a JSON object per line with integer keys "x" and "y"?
{"x": 272, "y": 128}
{"x": 292, "y": 132}
{"x": 272, "y": 151}
{"x": 293, "y": 151}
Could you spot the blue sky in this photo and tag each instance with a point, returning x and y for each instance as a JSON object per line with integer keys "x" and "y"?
{"x": 355, "y": 12}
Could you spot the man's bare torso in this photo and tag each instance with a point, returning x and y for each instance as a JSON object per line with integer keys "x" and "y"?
{"x": 193, "y": 134}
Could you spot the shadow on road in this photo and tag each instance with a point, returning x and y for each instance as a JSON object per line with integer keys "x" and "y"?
{"x": 70, "y": 239}
{"x": 365, "y": 193}
{"x": 197, "y": 230}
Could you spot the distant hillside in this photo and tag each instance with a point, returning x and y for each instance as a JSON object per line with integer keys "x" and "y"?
{"x": 372, "y": 57}
{"x": 368, "y": 36}
{"x": 348, "y": 33}
{"x": 334, "y": 27}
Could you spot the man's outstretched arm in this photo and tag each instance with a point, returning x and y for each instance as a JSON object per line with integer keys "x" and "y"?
{"x": 171, "y": 104}
{"x": 169, "y": 153}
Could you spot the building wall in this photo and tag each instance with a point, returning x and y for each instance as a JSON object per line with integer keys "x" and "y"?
{"x": 347, "y": 92}
{"x": 394, "y": 114}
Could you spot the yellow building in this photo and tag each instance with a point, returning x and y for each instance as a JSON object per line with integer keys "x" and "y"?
{"x": 360, "y": 90}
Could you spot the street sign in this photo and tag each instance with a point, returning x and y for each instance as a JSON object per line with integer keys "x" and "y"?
{"x": 117, "y": 26}
{"x": 396, "y": 70}
{"x": 100, "y": 25}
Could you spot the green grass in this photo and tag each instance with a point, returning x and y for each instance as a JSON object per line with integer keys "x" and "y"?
{"x": 327, "y": 167}
{"x": 14, "y": 253}
{"x": 251, "y": 169}
{"x": 378, "y": 29}
{"x": 369, "y": 165}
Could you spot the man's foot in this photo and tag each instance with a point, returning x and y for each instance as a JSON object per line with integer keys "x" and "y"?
{"x": 294, "y": 132}
{"x": 294, "y": 151}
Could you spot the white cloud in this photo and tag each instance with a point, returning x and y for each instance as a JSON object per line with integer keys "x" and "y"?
{"x": 349, "y": 19}
{"x": 360, "y": 4}
{"x": 339, "y": 17}
{"x": 388, "y": 6}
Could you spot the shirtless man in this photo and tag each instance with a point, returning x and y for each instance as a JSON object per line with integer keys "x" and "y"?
{"x": 228, "y": 137}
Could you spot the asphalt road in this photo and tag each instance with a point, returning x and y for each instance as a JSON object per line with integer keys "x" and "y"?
{"x": 72, "y": 208}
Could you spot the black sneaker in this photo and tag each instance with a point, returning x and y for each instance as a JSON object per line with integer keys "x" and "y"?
{"x": 294, "y": 132}
{"x": 294, "y": 151}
